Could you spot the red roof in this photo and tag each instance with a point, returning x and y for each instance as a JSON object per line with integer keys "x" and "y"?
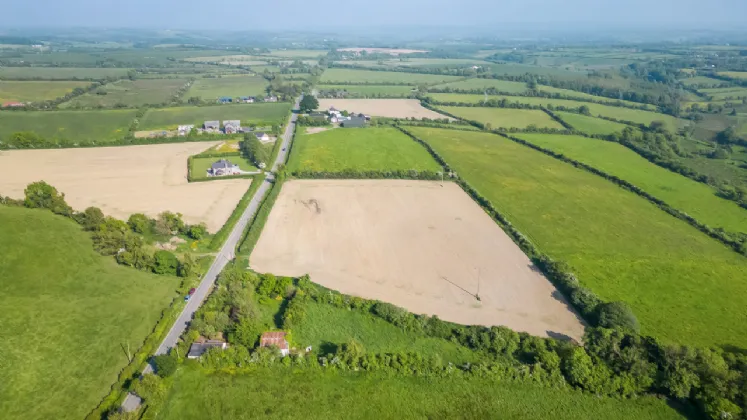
{"x": 274, "y": 338}
{"x": 13, "y": 104}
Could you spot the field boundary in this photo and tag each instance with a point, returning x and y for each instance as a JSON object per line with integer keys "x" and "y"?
{"x": 257, "y": 224}
{"x": 221, "y": 235}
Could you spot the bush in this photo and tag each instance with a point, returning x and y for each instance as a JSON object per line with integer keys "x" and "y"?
{"x": 616, "y": 315}
{"x": 196, "y": 232}
{"x": 91, "y": 218}
{"x": 140, "y": 223}
{"x": 165, "y": 365}
{"x": 165, "y": 262}
{"x": 42, "y": 195}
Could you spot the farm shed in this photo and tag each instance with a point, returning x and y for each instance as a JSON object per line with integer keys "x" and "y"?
{"x": 211, "y": 125}
{"x": 355, "y": 122}
{"x": 198, "y": 349}
{"x": 275, "y": 339}
{"x": 225, "y": 99}
{"x": 262, "y": 136}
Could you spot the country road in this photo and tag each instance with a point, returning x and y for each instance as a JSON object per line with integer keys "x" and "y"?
{"x": 224, "y": 256}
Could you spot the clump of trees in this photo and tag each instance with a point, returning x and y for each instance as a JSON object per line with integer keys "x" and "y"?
{"x": 253, "y": 150}
{"x": 308, "y": 103}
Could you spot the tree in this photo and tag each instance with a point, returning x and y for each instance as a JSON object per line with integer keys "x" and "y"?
{"x": 657, "y": 126}
{"x": 169, "y": 223}
{"x": 165, "y": 262}
{"x": 165, "y": 365}
{"x": 616, "y": 315}
{"x": 583, "y": 109}
{"x": 308, "y": 103}
{"x": 253, "y": 150}
{"x": 196, "y": 231}
{"x": 42, "y": 195}
{"x": 91, "y": 218}
{"x": 26, "y": 139}
{"x": 140, "y": 223}
{"x": 188, "y": 266}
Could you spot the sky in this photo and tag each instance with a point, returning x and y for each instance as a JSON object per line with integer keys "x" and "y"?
{"x": 307, "y": 14}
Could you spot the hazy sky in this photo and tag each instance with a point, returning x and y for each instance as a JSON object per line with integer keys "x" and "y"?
{"x": 301, "y": 14}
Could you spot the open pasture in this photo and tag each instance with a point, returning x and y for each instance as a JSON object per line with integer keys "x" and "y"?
{"x": 392, "y": 108}
{"x": 701, "y": 81}
{"x": 717, "y": 94}
{"x": 591, "y": 125}
{"x": 742, "y": 75}
{"x": 36, "y": 91}
{"x": 370, "y": 90}
{"x": 129, "y": 93}
{"x": 361, "y": 149}
{"x": 60, "y": 73}
{"x": 125, "y": 180}
{"x": 337, "y": 75}
{"x": 67, "y": 313}
{"x": 242, "y": 60}
{"x": 468, "y": 98}
{"x": 506, "y": 86}
{"x": 416, "y": 244}
{"x": 71, "y": 126}
{"x": 170, "y": 118}
{"x": 504, "y": 117}
{"x": 682, "y": 285}
{"x": 231, "y": 86}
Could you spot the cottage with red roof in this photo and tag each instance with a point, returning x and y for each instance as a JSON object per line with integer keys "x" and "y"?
{"x": 275, "y": 339}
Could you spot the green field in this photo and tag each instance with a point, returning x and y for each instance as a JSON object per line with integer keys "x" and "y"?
{"x": 298, "y": 53}
{"x": 167, "y": 118}
{"x": 504, "y": 117}
{"x": 17, "y": 91}
{"x": 96, "y": 126}
{"x": 499, "y": 85}
{"x": 734, "y": 74}
{"x": 231, "y": 86}
{"x": 717, "y": 94}
{"x": 200, "y": 166}
{"x": 372, "y": 90}
{"x": 335, "y": 75}
{"x": 701, "y": 81}
{"x": 692, "y": 197}
{"x": 362, "y": 149}
{"x": 56, "y": 73}
{"x": 129, "y": 93}
{"x": 684, "y": 286}
{"x": 66, "y": 314}
{"x": 590, "y": 125}
{"x": 283, "y": 393}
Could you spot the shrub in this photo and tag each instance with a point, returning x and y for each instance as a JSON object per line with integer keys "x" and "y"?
{"x": 165, "y": 365}
{"x": 165, "y": 262}
{"x": 91, "y": 218}
{"x": 42, "y": 195}
{"x": 616, "y": 315}
{"x": 196, "y": 231}
{"x": 140, "y": 223}
{"x": 267, "y": 285}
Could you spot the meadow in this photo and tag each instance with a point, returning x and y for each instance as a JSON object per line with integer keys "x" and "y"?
{"x": 169, "y": 118}
{"x": 336, "y": 75}
{"x": 476, "y": 83}
{"x": 591, "y": 125}
{"x": 504, "y": 117}
{"x": 73, "y": 126}
{"x": 734, "y": 74}
{"x": 717, "y": 94}
{"x": 692, "y": 197}
{"x": 370, "y": 90}
{"x": 60, "y": 73}
{"x": 129, "y": 93}
{"x": 68, "y": 316}
{"x": 199, "y": 166}
{"x": 361, "y": 149}
{"x": 231, "y": 86}
{"x": 324, "y": 395}
{"x": 683, "y": 286}
{"x": 35, "y": 91}
{"x": 701, "y": 81}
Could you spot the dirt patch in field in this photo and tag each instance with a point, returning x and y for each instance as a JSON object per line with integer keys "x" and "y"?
{"x": 416, "y": 244}
{"x": 392, "y": 51}
{"x": 314, "y": 130}
{"x": 392, "y": 108}
{"x": 125, "y": 180}
{"x": 154, "y": 133}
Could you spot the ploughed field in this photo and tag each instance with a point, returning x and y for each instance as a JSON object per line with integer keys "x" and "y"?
{"x": 125, "y": 180}
{"x": 682, "y": 285}
{"x": 420, "y": 245}
{"x": 392, "y": 108}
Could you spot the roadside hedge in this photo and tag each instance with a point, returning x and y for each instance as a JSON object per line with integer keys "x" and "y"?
{"x": 260, "y": 218}
{"x": 227, "y": 227}
{"x": 358, "y": 174}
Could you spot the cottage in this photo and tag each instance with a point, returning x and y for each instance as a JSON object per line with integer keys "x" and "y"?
{"x": 247, "y": 99}
{"x": 225, "y": 100}
{"x": 271, "y": 98}
{"x": 231, "y": 126}
{"x": 223, "y": 167}
{"x": 12, "y": 104}
{"x": 275, "y": 339}
{"x": 198, "y": 349}
{"x": 355, "y": 122}
{"x": 211, "y": 125}
{"x": 262, "y": 136}
{"x": 184, "y": 130}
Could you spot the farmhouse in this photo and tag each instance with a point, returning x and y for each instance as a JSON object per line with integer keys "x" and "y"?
{"x": 275, "y": 339}
{"x": 247, "y": 99}
{"x": 231, "y": 126}
{"x": 271, "y": 98}
{"x": 225, "y": 100}
{"x": 184, "y": 130}
{"x": 211, "y": 126}
{"x": 223, "y": 168}
{"x": 262, "y": 136}
{"x": 198, "y": 349}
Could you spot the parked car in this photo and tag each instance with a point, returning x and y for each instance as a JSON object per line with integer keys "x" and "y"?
{"x": 189, "y": 295}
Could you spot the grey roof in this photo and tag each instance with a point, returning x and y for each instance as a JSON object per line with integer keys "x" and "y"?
{"x": 354, "y": 122}
{"x": 212, "y": 124}
{"x": 198, "y": 349}
{"x": 260, "y": 134}
{"x": 222, "y": 164}
{"x": 232, "y": 122}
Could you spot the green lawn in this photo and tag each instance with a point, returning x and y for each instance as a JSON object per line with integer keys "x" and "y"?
{"x": 334, "y": 75}
{"x": 283, "y": 393}
{"x": 363, "y": 90}
{"x": 504, "y": 117}
{"x": 52, "y": 73}
{"x": 15, "y": 91}
{"x": 200, "y": 165}
{"x": 591, "y": 125}
{"x": 67, "y": 312}
{"x": 692, "y": 197}
{"x": 129, "y": 93}
{"x": 499, "y": 85}
{"x": 262, "y": 114}
{"x": 97, "y": 126}
{"x": 362, "y": 149}
{"x": 326, "y": 325}
{"x": 231, "y": 86}
{"x": 684, "y": 286}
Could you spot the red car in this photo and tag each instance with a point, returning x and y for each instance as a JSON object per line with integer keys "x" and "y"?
{"x": 189, "y": 295}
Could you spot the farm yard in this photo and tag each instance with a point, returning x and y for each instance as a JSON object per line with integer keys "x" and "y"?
{"x": 351, "y": 76}
{"x": 67, "y": 312}
{"x": 504, "y": 117}
{"x": 391, "y": 108}
{"x": 362, "y": 149}
{"x": 231, "y": 86}
{"x": 259, "y": 114}
{"x": 33, "y": 91}
{"x": 438, "y": 242}
{"x": 682, "y": 285}
{"x": 129, "y": 93}
{"x": 99, "y": 127}
{"x": 125, "y": 180}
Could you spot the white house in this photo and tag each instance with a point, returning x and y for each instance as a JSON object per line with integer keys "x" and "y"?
{"x": 231, "y": 126}
{"x": 223, "y": 168}
{"x": 184, "y": 130}
{"x": 262, "y": 136}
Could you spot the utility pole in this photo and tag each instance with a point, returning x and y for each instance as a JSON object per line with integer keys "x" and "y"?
{"x": 477, "y": 295}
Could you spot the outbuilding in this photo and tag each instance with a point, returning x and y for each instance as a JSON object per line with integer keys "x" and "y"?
{"x": 198, "y": 349}
{"x": 275, "y": 339}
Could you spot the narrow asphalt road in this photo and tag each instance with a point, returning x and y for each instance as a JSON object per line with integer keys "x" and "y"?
{"x": 224, "y": 256}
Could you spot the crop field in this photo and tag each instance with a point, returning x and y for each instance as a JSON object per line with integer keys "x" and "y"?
{"x": 35, "y": 91}
{"x": 392, "y": 108}
{"x": 169, "y": 118}
{"x": 683, "y": 286}
{"x": 591, "y": 125}
{"x": 231, "y": 86}
{"x": 702, "y": 81}
{"x": 125, "y": 180}
{"x": 67, "y": 313}
{"x": 95, "y": 126}
{"x": 499, "y": 85}
{"x": 334, "y": 75}
{"x": 427, "y": 247}
{"x": 129, "y": 93}
{"x": 57, "y": 73}
{"x": 692, "y": 197}
{"x": 243, "y": 60}
{"x": 197, "y": 395}
{"x": 370, "y": 90}
{"x": 477, "y": 98}
{"x": 504, "y": 117}
{"x": 362, "y": 149}
{"x": 201, "y": 165}
{"x": 734, "y": 74}
{"x": 725, "y": 93}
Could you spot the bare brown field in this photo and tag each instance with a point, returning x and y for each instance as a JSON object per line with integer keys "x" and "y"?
{"x": 125, "y": 180}
{"x": 392, "y": 108}
{"x": 415, "y": 244}
{"x": 392, "y": 51}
